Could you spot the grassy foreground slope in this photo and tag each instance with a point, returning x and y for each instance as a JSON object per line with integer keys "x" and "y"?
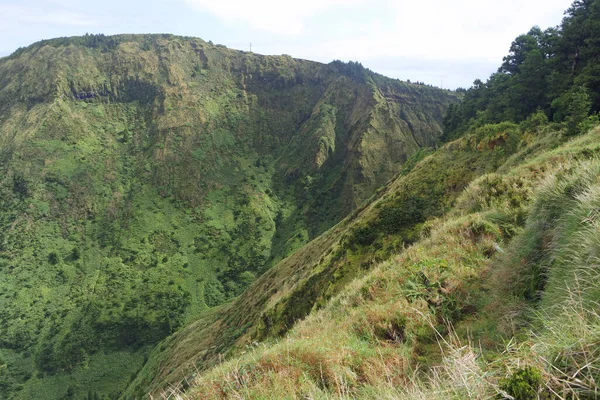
{"x": 305, "y": 281}
{"x": 147, "y": 178}
{"x": 476, "y": 284}
{"x": 497, "y": 296}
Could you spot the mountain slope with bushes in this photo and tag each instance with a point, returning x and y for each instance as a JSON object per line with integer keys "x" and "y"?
{"x": 498, "y": 298}
{"x": 146, "y": 179}
{"x": 493, "y": 294}
{"x": 472, "y": 274}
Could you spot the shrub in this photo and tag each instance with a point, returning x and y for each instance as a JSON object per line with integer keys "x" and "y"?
{"x": 401, "y": 215}
{"x": 578, "y": 110}
{"x": 534, "y": 122}
{"x": 523, "y": 384}
{"x": 364, "y": 235}
{"x": 53, "y": 258}
{"x": 75, "y": 254}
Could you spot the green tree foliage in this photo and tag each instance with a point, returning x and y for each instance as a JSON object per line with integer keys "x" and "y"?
{"x": 541, "y": 72}
{"x": 352, "y": 69}
{"x": 578, "y": 109}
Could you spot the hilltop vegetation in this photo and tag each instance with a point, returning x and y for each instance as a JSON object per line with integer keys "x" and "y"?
{"x": 554, "y": 71}
{"x": 146, "y": 179}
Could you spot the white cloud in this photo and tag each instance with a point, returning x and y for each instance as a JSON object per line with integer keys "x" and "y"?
{"x": 276, "y": 16}
{"x": 63, "y": 18}
{"x": 470, "y": 28}
{"x": 11, "y": 15}
{"x": 433, "y": 31}
{"x": 448, "y": 28}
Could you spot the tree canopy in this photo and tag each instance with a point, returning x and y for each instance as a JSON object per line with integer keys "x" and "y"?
{"x": 543, "y": 70}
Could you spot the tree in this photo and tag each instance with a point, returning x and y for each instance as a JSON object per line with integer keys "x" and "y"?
{"x": 578, "y": 110}
{"x": 544, "y": 70}
{"x": 520, "y": 48}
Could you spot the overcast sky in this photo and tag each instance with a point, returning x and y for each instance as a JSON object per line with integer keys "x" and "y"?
{"x": 449, "y": 42}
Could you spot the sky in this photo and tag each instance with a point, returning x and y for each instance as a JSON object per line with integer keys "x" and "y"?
{"x": 447, "y": 43}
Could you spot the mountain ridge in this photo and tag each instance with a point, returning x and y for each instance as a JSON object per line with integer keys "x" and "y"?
{"x": 182, "y": 220}
{"x": 471, "y": 274}
{"x": 147, "y": 178}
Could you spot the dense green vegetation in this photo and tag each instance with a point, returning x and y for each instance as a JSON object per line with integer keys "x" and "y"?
{"x": 497, "y": 293}
{"x": 457, "y": 300}
{"x": 473, "y": 273}
{"x": 508, "y": 266}
{"x": 554, "y": 71}
{"x": 309, "y": 278}
{"x": 147, "y": 178}
{"x": 183, "y": 219}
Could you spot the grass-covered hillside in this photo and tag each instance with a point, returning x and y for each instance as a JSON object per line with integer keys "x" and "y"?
{"x": 146, "y": 179}
{"x": 494, "y": 295}
{"x": 472, "y": 274}
{"x": 306, "y": 280}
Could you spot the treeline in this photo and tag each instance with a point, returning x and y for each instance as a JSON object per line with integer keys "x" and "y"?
{"x": 99, "y": 41}
{"x": 553, "y": 74}
{"x": 359, "y": 73}
{"x": 419, "y": 83}
{"x": 352, "y": 69}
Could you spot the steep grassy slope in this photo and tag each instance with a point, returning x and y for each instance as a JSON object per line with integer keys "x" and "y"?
{"x": 306, "y": 280}
{"x": 145, "y": 179}
{"x": 476, "y": 286}
{"x": 506, "y": 263}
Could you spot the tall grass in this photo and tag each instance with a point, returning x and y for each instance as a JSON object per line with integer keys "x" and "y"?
{"x": 431, "y": 323}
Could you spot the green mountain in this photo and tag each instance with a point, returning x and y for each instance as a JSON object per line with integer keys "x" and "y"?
{"x": 148, "y": 180}
{"x": 497, "y": 298}
{"x": 181, "y": 220}
{"x": 473, "y": 273}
